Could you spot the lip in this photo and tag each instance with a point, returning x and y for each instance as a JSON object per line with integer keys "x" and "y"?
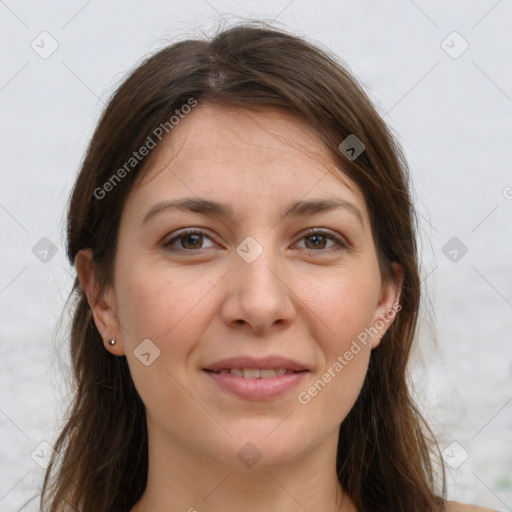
{"x": 269, "y": 362}
{"x": 257, "y": 388}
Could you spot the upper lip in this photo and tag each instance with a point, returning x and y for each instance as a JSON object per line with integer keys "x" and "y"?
{"x": 265, "y": 363}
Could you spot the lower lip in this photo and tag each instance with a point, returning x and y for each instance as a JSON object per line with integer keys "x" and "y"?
{"x": 257, "y": 389}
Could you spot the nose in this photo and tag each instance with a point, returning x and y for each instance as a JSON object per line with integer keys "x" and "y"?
{"x": 258, "y": 296}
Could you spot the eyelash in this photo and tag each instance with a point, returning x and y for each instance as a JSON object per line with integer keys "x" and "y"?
{"x": 316, "y": 231}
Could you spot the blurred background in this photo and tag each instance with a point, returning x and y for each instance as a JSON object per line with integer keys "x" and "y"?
{"x": 438, "y": 72}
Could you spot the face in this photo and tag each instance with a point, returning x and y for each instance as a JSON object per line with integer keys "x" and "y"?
{"x": 267, "y": 281}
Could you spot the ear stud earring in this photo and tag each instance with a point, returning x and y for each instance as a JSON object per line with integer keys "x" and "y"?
{"x": 112, "y": 342}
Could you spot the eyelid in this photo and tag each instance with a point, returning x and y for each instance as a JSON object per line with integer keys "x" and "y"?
{"x": 176, "y": 235}
{"x": 341, "y": 244}
{"x": 340, "y": 241}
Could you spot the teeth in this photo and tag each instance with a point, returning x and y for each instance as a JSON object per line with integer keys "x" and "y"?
{"x": 251, "y": 373}
{"x": 255, "y": 373}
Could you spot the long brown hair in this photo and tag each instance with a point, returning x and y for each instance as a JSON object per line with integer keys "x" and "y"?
{"x": 386, "y": 449}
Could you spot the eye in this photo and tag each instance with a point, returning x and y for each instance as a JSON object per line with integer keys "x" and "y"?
{"x": 318, "y": 238}
{"x": 190, "y": 239}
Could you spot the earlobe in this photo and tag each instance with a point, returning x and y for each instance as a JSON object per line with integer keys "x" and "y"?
{"x": 102, "y": 309}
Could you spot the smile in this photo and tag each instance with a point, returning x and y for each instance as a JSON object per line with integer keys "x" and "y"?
{"x": 256, "y": 384}
{"x": 255, "y": 373}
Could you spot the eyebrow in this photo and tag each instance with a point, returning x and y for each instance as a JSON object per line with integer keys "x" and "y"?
{"x": 214, "y": 208}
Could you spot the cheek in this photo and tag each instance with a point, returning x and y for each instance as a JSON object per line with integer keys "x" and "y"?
{"x": 345, "y": 305}
{"x": 337, "y": 384}
{"x": 160, "y": 307}
{"x": 172, "y": 312}
{"x": 152, "y": 307}
{"x": 345, "y": 312}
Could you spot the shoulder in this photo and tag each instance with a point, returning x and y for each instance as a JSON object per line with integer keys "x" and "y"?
{"x": 455, "y": 506}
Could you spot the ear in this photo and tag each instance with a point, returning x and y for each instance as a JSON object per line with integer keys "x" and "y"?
{"x": 389, "y": 303}
{"x": 103, "y": 304}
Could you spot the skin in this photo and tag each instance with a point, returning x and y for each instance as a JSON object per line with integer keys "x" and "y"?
{"x": 298, "y": 299}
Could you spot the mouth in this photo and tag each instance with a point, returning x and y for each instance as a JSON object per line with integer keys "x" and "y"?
{"x": 256, "y": 373}
{"x": 252, "y": 378}
{"x": 256, "y": 367}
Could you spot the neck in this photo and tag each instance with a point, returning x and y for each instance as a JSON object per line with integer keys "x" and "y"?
{"x": 180, "y": 479}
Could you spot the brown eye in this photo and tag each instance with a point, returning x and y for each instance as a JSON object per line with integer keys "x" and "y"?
{"x": 317, "y": 240}
{"x": 191, "y": 241}
{"x": 188, "y": 240}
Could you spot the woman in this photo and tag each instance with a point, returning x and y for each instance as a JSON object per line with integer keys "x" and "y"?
{"x": 247, "y": 294}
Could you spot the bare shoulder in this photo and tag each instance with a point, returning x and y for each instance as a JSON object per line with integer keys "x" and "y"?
{"x": 455, "y": 506}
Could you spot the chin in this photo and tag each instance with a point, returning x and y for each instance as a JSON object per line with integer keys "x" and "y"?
{"x": 259, "y": 445}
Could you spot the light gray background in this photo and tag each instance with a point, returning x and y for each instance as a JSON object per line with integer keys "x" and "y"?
{"x": 454, "y": 120}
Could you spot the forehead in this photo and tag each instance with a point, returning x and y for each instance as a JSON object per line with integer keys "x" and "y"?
{"x": 233, "y": 153}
